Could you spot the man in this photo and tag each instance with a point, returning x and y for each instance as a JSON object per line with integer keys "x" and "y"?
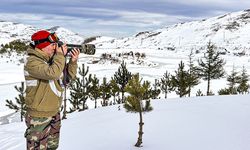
{"x": 44, "y": 71}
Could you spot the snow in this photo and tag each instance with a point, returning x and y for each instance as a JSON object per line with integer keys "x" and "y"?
{"x": 196, "y": 123}
{"x": 207, "y": 123}
{"x": 176, "y": 124}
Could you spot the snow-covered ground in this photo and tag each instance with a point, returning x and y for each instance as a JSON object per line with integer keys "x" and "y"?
{"x": 197, "y": 123}
{"x": 207, "y": 123}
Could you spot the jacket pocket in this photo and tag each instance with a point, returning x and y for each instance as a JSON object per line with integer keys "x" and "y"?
{"x": 50, "y": 102}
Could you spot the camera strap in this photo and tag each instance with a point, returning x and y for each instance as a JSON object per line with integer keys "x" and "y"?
{"x": 66, "y": 78}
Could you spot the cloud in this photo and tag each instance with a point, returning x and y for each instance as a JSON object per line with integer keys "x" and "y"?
{"x": 113, "y": 18}
{"x": 113, "y": 21}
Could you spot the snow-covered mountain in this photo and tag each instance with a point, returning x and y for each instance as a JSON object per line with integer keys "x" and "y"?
{"x": 10, "y": 31}
{"x": 229, "y": 32}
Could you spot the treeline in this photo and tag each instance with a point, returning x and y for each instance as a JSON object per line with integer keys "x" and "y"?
{"x": 16, "y": 45}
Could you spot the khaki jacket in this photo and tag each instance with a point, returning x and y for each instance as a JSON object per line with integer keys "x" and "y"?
{"x": 44, "y": 90}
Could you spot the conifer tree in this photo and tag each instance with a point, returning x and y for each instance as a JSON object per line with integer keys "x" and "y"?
{"x": 199, "y": 93}
{"x": 105, "y": 92}
{"x": 94, "y": 90}
{"x": 74, "y": 99}
{"x": 155, "y": 91}
{"x": 224, "y": 91}
{"x": 64, "y": 106}
{"x": 243, "y": 82}
{"x": 20, "y": 102}
{"x": 166, "y": 84}
{"x": 150, "y": 93}
{"x": 80, "y": 89}
{"x": 193, "y": 77}
{"x": 233, "y": 79}
{"x": 134, "y": 102}
{"x": 122, "y": 76}
{"x": 114, "y": 90}
{"x": 211, "y": 67}
{"x": 180, "y": 81}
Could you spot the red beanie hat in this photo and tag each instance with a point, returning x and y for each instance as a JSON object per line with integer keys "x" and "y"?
{"x": 43, "y": 34}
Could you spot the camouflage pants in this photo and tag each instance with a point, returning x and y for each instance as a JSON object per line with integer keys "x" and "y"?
{"x": 42, "y": 133}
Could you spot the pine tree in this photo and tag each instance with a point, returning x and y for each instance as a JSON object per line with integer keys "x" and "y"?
{"x": 193, "y": 77}
{"x": 180, "y": 81}
{"x": 134, "y": 102}
{"x": 243, "y": 82}
{"x": 199, "y": 93}
{"x": 150, "y": 93}
{"x": 212, "y": 66}
{"x": 64, "y": 106}
{"x": 156, "y": 91}
{"x": 20, "y": 102}
{"x": 80, "y": 90}
{"x": 233, "y": 79}
{"x": 85, "y": 87}
{"x": 225, "y": 91}
{"x": 122, "y": 76}
{"x": 95, "y": 90}
{"x": 166, "y": 84}
{"x": 74, "y": 96}
{"x": 105, "y": 92}
{"x": 114, "y": 91}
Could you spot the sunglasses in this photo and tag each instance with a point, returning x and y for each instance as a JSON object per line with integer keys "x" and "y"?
{"x": 53, "y": 38}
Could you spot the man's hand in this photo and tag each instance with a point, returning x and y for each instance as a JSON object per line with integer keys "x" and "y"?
{"x": 74, "y": 54}
{"x": 63, "y": 49}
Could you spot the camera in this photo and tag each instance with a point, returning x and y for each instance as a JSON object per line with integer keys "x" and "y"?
{"x": 88, "y": 49}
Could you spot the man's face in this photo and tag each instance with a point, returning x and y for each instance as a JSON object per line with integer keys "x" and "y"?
{"x": 49, "y": 50}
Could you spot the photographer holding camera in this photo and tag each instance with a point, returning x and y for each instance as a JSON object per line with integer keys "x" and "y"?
{"x": 46, "y": 72}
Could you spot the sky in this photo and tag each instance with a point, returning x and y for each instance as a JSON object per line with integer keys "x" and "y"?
{"x": 115, "y": 18}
